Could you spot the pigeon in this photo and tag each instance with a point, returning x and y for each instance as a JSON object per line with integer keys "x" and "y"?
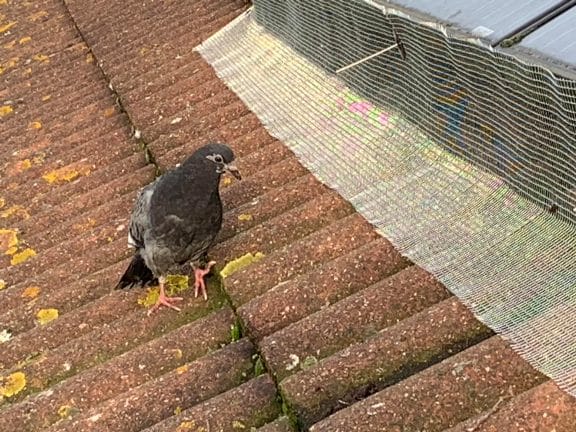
{"x": 175, "y": 221}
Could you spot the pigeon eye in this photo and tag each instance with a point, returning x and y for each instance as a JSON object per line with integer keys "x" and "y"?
{"x": 218, "y": 159}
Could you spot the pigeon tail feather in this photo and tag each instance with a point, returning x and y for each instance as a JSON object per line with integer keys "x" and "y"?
{"x": 137, "y": 274}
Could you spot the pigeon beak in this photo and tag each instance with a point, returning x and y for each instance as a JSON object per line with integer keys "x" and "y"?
{"x": 233, "y": 170}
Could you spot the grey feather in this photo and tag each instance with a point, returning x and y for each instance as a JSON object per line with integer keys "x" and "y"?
{"x": 175, "y": 219}
{"x": 140, "y": 221}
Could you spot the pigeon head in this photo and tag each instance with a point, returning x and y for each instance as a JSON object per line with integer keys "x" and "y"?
{"x": 221, "y": 156}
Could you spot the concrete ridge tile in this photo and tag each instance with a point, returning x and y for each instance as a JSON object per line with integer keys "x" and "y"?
{"x": 391, "y": 355}
{"x": 352, "y": 320}
{"x": 170, "y": 149}
{"x": 285, "y": 228}
{"x": 242, "y": 408}
{"x": 87, "y": 388}
{"x": 290, "y": 302}
{"x": 156, "y": 400}
{"x": 282, "y": 424}
{"x": 441, "y": 396}
{"x": 299, "y": 257}
{"x": 542, "y": 408}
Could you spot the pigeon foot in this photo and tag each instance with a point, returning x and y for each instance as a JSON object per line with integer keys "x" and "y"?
{"x": 164, "y": 300}
{"x": 199, "y": 283}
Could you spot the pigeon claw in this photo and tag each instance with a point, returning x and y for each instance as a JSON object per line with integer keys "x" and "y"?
{"x": 199, "y": 283}
{"x": 163, "y": 300}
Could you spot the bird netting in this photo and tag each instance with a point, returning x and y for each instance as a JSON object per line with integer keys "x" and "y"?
{"x": 461, "y": 155}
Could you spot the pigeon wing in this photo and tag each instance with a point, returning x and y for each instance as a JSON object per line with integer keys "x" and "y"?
{"x": 183, "y": 223}
{"x": 140, "y": 220}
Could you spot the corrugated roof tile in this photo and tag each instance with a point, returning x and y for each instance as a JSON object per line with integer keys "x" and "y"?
{"x": 328, "y": 285}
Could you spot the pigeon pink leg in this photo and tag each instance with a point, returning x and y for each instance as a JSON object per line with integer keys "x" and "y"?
{"x": 163, "y": 299}
{"x": 199, "y": 284}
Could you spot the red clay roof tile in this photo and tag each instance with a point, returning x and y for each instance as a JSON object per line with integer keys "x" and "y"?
{"x": 329, "y": 295}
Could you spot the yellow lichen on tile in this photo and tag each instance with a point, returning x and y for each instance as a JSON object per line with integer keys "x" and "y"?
{"x": 150, "y": 298}
{"x": 238, "y": 425}
{"x": 3, "y": 284}
{"x": 178, "y": 410}
{"x": 240, "y": 263}
{"x": 39, "y": 158}
{"x": 4, "y": 28}
{"x": 24, "y": 40}
{"x": 12, "y": 384}
{"x": 11, "y": 251}
{"x": 176, "y": 284}
{"x": 25, "y": 164}
{"x": 38, "y": 15}
{"x": 226, "y": 181}
{"x": 35, "y": 125}
{"x": 46, "y": 97}
{"x": 66, "y": 174}
{"x": 3, "y": 2}
{"x": 5, "y": 110}
{"x": 109, "y": 112}
{"x": 186, "y": 426}
{"x": 15, "y": 210}
{"x": 182, "y": 369}
{"x": 64, "y": 411}
{"x": 13, "y": 62}
{"x": 31, "y": 292}
{"x": 245, "y": 217}
{"x": 85, "y": 225}
{"x": 44, "y": 316}
{"x": 41, "y": 58}
{"x": 8, "y": 239}
{"x": 22, "y": 256}
{"x": 22, "y": 165}
{"x": 89, "y": 58}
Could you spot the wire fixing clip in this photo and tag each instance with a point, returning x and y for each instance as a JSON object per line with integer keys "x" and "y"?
{"x": 398, "y": 44}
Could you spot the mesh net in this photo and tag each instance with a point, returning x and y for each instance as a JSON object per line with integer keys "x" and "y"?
{"x": 461, "y": 156}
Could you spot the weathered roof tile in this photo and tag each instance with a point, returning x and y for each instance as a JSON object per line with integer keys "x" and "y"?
{"x": 543, "y": 408}
{"x": 287, "y": 303}
{"x": 329, "y": 294}
{"x": 384, "y": 359}
{"x": 281, "y": 424}
{"x": 353, "y": 319}
{"x": 441, "y": 396}
{"x": 87, "y": 387}
{"x": 244, "y": 407}
{"x": 176, "y": 390}
{"x": 301, "y": 256}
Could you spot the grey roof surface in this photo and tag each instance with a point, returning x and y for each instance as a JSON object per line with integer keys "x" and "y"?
{"x": 556, "y": 39}
{"x": 552, "y": 45}
{"x": 479, "y": 17}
